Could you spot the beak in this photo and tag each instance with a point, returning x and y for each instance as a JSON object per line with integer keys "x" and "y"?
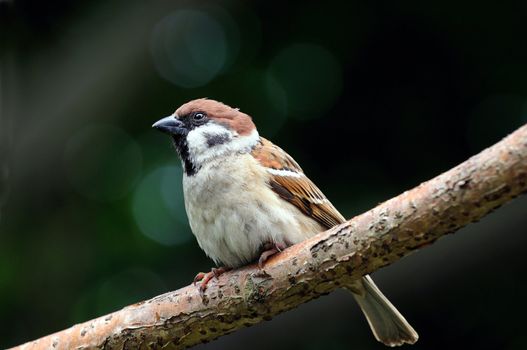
{"x": 170, "y": 125}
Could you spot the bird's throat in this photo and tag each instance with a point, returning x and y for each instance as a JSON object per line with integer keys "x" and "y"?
{"x": 180, "y": 143}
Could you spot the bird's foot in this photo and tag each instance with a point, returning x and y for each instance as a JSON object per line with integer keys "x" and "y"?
{"x": 205, "y": 277}
{"x": 270, "y": 249}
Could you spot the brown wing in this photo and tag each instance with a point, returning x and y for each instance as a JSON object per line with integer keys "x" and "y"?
{"x": 290, "y": 183}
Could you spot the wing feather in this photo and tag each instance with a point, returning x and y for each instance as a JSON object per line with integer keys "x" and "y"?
{"x": 291, "y": 184}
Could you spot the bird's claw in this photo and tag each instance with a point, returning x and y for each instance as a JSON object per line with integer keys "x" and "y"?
{"x": 270, "y": 250}
{"x": 199, "y": 277}
{"x": 205, "y": 277}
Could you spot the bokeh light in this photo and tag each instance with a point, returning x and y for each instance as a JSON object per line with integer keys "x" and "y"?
{"x": 158, "y": 206}
{"x": 261, "y": 96}
{"x": 191, "y": 47}
{"x": 311, "y": 77}
{"x": 102, "y": 162}
{"x": 371, "y": 98}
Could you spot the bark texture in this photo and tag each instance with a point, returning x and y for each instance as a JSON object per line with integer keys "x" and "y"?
{"x": 328, "y": 261}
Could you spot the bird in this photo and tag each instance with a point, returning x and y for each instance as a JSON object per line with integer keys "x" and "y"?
{"x": 246, "y": 199}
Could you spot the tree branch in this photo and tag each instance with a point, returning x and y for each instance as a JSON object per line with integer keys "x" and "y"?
{"x": 328, "y": 261}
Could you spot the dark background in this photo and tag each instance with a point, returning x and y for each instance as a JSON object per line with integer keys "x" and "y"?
{"x": 370, "y": 97}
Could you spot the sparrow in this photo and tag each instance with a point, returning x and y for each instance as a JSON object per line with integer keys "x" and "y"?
{"x": 247, "y": 199}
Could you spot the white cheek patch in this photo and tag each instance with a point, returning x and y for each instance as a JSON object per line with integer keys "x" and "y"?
{"x": 217, "y": 139}
{"x": 245, "y": 143}
{"x": 198, "y": 139}
{"x": 212, "y": 140}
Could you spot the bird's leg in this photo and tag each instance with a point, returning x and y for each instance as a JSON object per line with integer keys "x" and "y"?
{"x": 204, "y": 278}
{"x": 270, "y": 249}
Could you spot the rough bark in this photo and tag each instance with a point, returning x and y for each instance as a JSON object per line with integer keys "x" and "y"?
{"x": 328, "y": 261}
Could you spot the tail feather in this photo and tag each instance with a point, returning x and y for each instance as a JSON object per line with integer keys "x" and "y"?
{"x": 387, "y": 324}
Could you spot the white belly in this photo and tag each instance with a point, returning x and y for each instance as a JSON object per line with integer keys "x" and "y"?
{"x": 232, "y": 211}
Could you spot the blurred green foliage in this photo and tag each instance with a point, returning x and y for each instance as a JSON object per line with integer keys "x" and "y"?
{"x": 371, "y": 98}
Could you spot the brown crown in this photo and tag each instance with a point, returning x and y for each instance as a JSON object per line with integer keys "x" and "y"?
{"x": 221, "y": 113}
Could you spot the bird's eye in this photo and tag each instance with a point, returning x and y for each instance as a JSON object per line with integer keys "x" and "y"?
{"x": 198, "y": 116}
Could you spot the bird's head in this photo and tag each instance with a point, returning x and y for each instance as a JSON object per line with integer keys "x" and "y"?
{"x": 203, "y": 130}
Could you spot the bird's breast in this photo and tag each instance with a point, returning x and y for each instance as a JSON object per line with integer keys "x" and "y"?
{"x": 232, "y": 211}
